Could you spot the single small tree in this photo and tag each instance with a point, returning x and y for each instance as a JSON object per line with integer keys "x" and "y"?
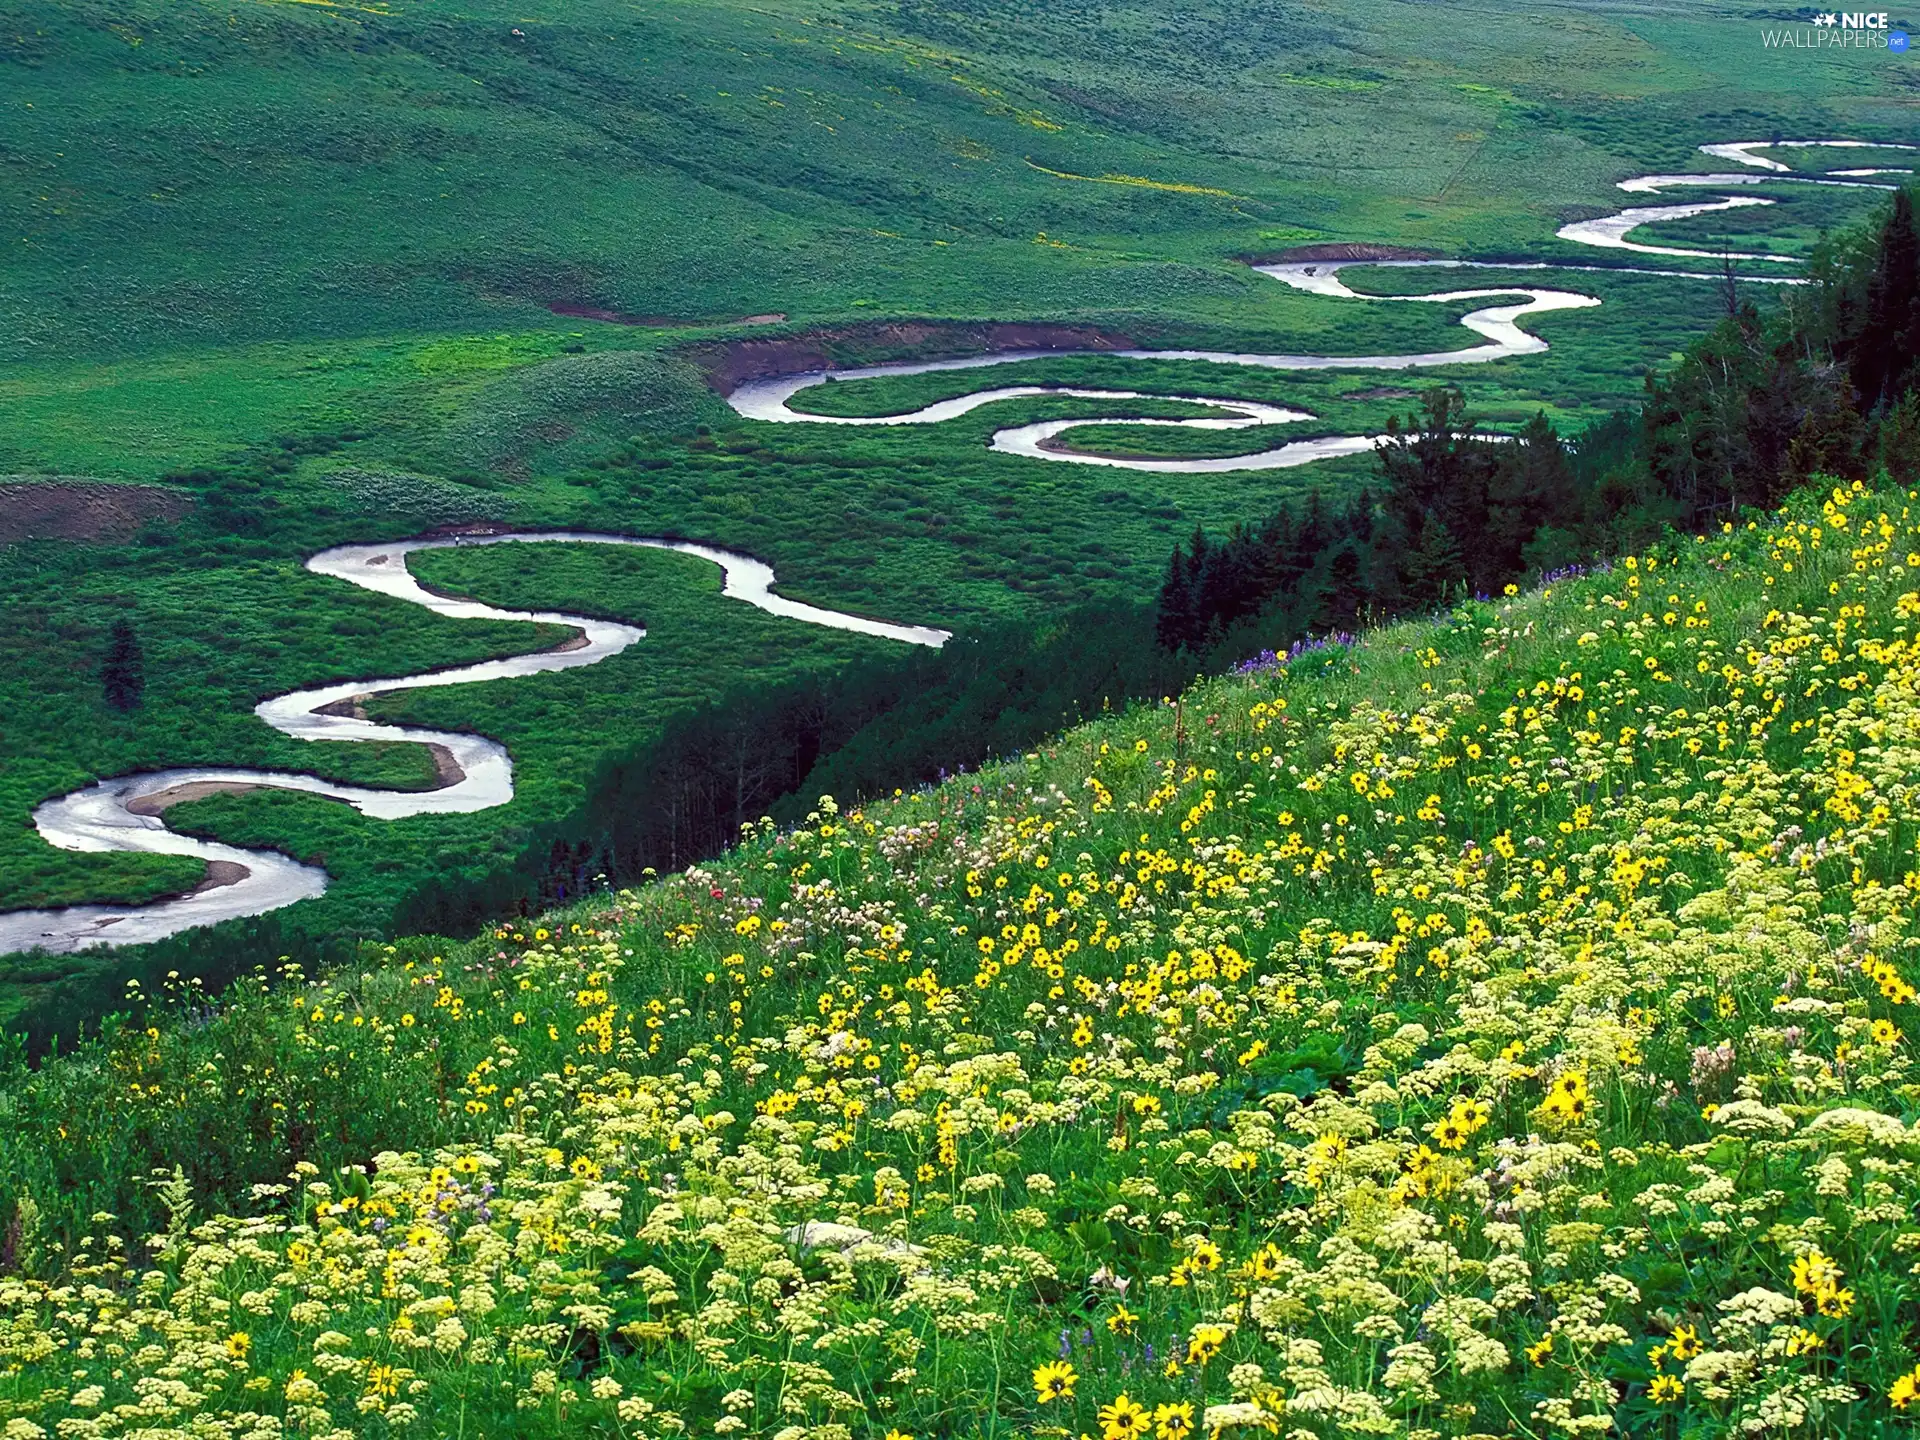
{"x": 123, "y": 674}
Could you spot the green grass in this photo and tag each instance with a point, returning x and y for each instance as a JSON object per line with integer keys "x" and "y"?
{"x": 1799, "y": 216}
{"x": 1140, "y": 442}
{"x": 1383, "y": 1025}
{"x": 556, "y": 725}
{"x": 298, "y": 257}
{"x": 329, "y": 234}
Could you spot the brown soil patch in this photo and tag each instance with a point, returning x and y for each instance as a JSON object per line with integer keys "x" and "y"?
{"x": 731, "y": 363}
{"x": 221, "y": 872}
{"x": 654, "y": 322}
{"x": 466, "y": 527}
{"x": 59, "y": 508}
{"x": 1058, "y": 446}
{"x": 161, "y": 801}
{"x": 445, "y": 768}
{"x": 1340, "y": 250}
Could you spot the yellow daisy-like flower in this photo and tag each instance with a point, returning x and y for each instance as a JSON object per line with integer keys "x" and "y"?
{"x": 1905, "y": 1390}
{"x": 1054, "y": 1381}
{"x": 1665, "y": 1389}
{"x": 1124, "y": 1419}
{"x": 1449, "y": 1134}
{"x": 1174, "y": 1421}
{"x": 1265, "y": 1264}
{"x": 1205, "y": 1343}
{"x": 1814, "y": 1272}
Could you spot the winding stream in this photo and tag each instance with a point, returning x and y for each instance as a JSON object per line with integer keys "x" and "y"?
{"x": 1497, "y": 325}
{"x": 127, "y": 813}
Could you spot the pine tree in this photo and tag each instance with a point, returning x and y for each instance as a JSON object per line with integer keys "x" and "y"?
{"x": 1885, "y": 352}
{"x": 123, "y": 674}
{"x": 1359, "y": 518}
{"x": 1205, "y": 566}
{"x": 1308, "y": 540}
{"x": 1276, "y": 548}
{"x": 1432, "y": 565}
{"x": 1344, "y": 596}
{"x": 1530, "y": 489}
{"x": 1900, "y": 440}
{"x": 1173, "y": 626}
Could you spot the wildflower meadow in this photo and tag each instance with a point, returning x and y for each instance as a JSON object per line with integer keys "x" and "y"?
{"x": 1499, "y": 1025}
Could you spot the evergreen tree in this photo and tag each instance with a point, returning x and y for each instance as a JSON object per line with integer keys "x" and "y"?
{"x": 1530, "y": 488}
{"x": 1343, "y": 596}
{"x": 1437, "y": 476}
{"x": 1173, "y": 626}
{"x": 1359, "y": 517}
{"x": 1276, "y": 547}
{"x": 1309, "y": 538}
{"x": 1432, "y": 565}
{"x": 123, "y": 673}
{"x": 1884, "y": 355}
{"x": 1900, "y": 440}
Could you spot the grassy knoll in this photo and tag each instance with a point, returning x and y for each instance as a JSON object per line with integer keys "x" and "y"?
{"x": 1504, "y": 1020}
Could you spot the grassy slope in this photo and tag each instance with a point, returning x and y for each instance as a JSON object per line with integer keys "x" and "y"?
{"x": 1190, "y": 999}
{"x": 307, "y": 219}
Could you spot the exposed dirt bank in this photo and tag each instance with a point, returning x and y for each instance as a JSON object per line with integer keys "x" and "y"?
{"x": 446, "y": 769}
{"x": 220, "y": 872}
{"x": 164, "y": 800}
{"x": 655, "y": 322}
{"x": 1339, "y": 250}
{"x": 732, "y": 362}
{"x": 69, "y": 509}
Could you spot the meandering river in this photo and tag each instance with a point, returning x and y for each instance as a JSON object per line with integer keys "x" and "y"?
{"x": 128, "y": 813}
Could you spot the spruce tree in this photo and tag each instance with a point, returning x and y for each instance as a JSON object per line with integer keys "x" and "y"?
{"x": 1432, "y": 565}
{"x": 123, "y": 673}
{"x": 1885, "y": 352}
{"x": 1344, "y": 596}
{"x": 1173, "y": 626}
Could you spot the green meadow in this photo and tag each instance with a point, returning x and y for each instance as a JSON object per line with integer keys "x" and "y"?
{"x": 330, "y": 272}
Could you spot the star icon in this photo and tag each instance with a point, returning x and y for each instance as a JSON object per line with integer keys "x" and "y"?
{"x": 1826, "y": 17}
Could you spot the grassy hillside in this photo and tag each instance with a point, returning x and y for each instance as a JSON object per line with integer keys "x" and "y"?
{"x": 217, "y": 175}
{"x": 297, "y": 264}
{"x": 1498, "y": 1027}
